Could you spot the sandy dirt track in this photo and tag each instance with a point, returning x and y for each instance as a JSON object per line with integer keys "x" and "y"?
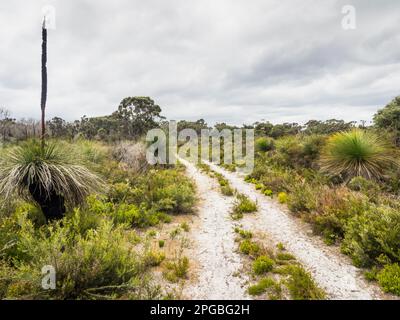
{"x": 214, "y": 245}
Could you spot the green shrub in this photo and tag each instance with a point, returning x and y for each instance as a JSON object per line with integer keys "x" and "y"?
{"x": 280, "y": 246}
{"x": 371, "y": 275}
{"x": 368, "y": 187}
{"x": 387, "y": 119}
{"x": 392, "y": 181}
{"x": 335, "y": 206}
{"x": 244, "y": 205}
{"x": 285, "y": 256}
{"x": 140, "y": 205}
{"x": 268, "y": 193}
{"x": 177, "y": 269}
{"x": 154, "y": 258}
{"x": 7, "y": 274}
{"x": 11, "y": 230}
{"x": 282, "y": 197}
{"x": 33, "y": 213}
{"x": 389, "y": 278}
{"x": 120, "y": 192}
{"x": 298, "y": 151}
{"x": 94, "y": 249}
{"x": 249, "y": 247}
{"x": 227, "y": 191}
{"x": 174, "y": 233}
{"x": 166, "y": 190}
{"x": 302, "y": 198}
{"x": 312, "y": 147}
{"x": 236, "y": 215}
{"x": 125, "y": 213}
{"x": 181, "y": 267}
{"x": 264, "y": 144}
{"x": 301, "y": 285}
{"x": 362, "y": 184}
{"x": 262, "y": 286}
{"x": 274, "y": 178}
{"x": 103, "y": 257}
{"x": 92, "y": 151}
{"x": 8, "y": 206}
{"x": 185, "y": 226}
{"x": 224, "y": 184}
{"x": 151, "y": 234}
{"x": 114, "y": 172}
{"x": 229, "y": 167}
{"x": 256, "y": 290}
{"x": 83, "y": 221}
{"x": 204, "y": 168}
{"x": 244, "y": 233}
{"x": 263, "y": 264}
{"x": 134, "y": 216}
{"x": 259, "y": 186}
{"x": 372, "y": 234}
{"x": 289, "y": 151}
{"x": 221, "y": 179}
{"x": 250, "y": 179}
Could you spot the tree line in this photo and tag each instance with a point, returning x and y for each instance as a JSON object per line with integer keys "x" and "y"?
{"x": 136, "y": 115}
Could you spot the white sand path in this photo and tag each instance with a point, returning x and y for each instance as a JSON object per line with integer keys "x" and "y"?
{"x": 214, "y": 245}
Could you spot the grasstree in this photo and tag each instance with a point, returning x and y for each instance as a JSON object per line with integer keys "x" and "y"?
{"x": 50, "y": 173}
{"x": 357, "y": 153}
{"x": 53, "y": 177}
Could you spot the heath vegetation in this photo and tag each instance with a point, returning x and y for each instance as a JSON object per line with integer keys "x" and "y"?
{"x": 343, "y": 179}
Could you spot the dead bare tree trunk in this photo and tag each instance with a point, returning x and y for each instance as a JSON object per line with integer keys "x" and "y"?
{"x": 44, "y": 81}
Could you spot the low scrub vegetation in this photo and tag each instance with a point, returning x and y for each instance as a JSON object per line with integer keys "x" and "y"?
{"x": 177, "y": 269}
{"x": 263, "y": 264}
{"x": 99, "y": 248}
{"x": 300, "y": 284}
{"x": 343, "y": 182}
{"x": 242, "y": 205}
{"x": 389, "y": 278}
{"x": 275, "y": 274}
{"x": 266, "y": 284}
{"x": 90, "y": 209}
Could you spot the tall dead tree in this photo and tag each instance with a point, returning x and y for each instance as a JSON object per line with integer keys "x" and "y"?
{"x": 44, "y": 81}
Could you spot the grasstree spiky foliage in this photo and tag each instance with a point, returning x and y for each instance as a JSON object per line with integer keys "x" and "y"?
{"x": 357, "y": 153}
{"x": 52, "y": 176}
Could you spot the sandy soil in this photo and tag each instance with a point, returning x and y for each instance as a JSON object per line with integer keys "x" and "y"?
{"x": 217, "y": 275}
{"x": 331, "y": 270}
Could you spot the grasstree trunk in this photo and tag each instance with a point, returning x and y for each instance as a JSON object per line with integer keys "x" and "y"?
{"x": 51, "y": 203}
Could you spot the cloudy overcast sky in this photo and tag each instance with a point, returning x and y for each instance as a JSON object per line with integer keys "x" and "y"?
{"x": 236, "y": 61}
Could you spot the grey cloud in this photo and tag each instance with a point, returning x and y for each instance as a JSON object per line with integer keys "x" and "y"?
{"x": 231, "y": 61}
